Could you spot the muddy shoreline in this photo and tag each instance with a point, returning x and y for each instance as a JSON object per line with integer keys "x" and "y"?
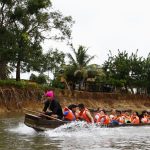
{"x": 14, "y": 100}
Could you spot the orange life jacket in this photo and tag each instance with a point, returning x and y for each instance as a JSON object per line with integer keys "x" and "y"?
{"x": 84, "y": 116}
{"x": 105, "y": 117}
{"x": 70, "y": 116}
{"x": 135, "y": 120}
{"x": 121, "y": 119}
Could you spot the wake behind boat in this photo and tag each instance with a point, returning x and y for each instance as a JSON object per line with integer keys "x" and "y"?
{"x": 43, "y": 124}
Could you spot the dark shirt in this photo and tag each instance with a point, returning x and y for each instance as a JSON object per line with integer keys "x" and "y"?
{"x": 54, "y": 106}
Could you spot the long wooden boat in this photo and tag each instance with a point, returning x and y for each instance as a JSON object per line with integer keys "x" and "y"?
{"x": 43, "y": 124}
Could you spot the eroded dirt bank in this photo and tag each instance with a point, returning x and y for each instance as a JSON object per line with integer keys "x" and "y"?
{"x": 13, "y": 99}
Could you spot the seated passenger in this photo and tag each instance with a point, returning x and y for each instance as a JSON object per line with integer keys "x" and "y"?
{"x": 121, "y": 117}
{"x": 113, "y": 117}
{"x": 134, "y": 118}
{"x": 142, "y": 115}
{"x": 102, "y": 118}
{"x": 127, "y": 117}
{"x": 85, "y": 114}
{"x": 68, "y": 115}
{"x": 73, "y": 108}
{"x": 145, "y": 118}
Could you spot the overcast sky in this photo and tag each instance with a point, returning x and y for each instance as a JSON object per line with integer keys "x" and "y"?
{"x": 103, "y": 25}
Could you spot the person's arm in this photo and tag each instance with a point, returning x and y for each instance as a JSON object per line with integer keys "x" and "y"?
{"x": 89, "y": 115}
{"x": 46, "y": 104}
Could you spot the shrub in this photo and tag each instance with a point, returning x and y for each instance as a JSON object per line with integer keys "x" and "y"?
{"x": 19, "y": 84}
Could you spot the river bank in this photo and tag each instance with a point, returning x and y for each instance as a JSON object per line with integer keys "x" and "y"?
{"x": 13, "y": 99}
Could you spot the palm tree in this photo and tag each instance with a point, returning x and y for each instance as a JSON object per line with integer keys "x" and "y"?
{"x": 80, "y": 60}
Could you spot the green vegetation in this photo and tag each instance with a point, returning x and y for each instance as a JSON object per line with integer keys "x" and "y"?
{"x": 20, "y": 84}
{"x": 78, "y": 65}
{"x": 23, "y": 27}
{"x": 25, "y": 24}
{"x": 128, "y": 72}
{"x": 41, "y": 79}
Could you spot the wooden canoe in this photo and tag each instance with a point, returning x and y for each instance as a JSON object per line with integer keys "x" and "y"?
{"x": 43, "y": 124}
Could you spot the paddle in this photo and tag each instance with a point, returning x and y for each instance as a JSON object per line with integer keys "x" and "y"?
{"x": 43, "y": 114}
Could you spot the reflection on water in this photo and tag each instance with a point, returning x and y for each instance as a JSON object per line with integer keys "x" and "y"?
{"x": 16, "y": 136}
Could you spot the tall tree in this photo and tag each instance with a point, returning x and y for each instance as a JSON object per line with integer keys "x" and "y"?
{"x": 6, "y": 53}
{"x": 137, "y": 71}
{"x": 7, "y": 39}
{"x": 80, "y": 60}
{"x": 117, "y": 69}
{"x": 127, "y": 71}
{"x": 29, "y": 21}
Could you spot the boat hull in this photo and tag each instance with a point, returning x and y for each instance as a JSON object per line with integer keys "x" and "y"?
{"x": 43, "y": 124}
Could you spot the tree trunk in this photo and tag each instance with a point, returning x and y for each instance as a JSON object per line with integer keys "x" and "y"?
{"x": 3, "y": 71}
{"x": 18, "y": 71}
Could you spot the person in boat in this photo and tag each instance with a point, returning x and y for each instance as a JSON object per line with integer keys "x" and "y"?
{"x": 120, "y": 117}
{"x": 145, "y": 118}
{"x": 84, "y": 114}
{"x": 127, "y": 117}
{"x": 53, "y": 105}
{"x": 73, "y": 108}
{"x": 69, "y": 113}
{"x": 102, "y": 118}
{"x": 142, "y": 115}
{"x": 113, "y": 117}
{"x": 135, "y": 118}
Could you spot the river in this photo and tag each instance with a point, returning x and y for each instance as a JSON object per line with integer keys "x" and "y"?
{"x": 15, "y": 135}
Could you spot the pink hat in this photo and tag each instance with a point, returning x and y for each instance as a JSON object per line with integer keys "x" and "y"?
{"x": 49, "y": 94}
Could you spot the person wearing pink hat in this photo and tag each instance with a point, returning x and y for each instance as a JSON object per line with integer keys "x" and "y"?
{"x": 53, "y": 105}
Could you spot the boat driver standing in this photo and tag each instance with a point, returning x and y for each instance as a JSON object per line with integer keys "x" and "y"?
{"x": 53, "y": 105}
